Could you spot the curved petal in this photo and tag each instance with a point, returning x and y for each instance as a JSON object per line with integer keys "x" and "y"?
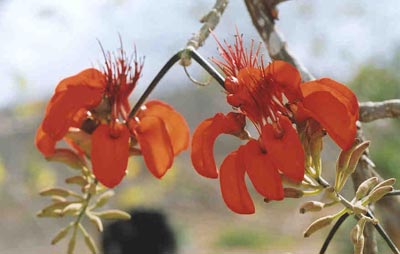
{"x": 288, "y": 77}
{"x": 155, "y": 145}
{"x": 338, "y": 90}
{"x": 176, "y": 125}
{"x": 285, "y": 149}
{"x": 90, "y": 78}
{"x": 202, "y": 153}
{"x": 334, "y": 116}
{"x": 64, "y": 107}
{"x": 44, "y": 142}
{"x": 233, "y": 186}
{"x": 261, "y": 170}
{"x": 110, "y": 154}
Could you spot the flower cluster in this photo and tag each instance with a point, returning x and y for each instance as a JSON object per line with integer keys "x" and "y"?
{"x": 284, "y": 111}
{"x": 95, "y": 103}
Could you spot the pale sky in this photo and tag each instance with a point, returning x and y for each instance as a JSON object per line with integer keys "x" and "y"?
{"x": 43, "y": 41}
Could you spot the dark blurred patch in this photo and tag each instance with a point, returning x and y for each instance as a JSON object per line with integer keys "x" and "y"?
{"x": 148, "y": 232}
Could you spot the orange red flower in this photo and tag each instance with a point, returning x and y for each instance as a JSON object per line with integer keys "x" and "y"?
{"x": 276, "y": 102}
{"x": 96, "y": 101}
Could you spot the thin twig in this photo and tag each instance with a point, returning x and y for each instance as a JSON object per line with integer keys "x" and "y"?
{"x": 175, "y": 58}
{"x": 210, "y": 21}
{"x": 333, "y": 232}
{"x": 208, "y": 67}
{"x": 370, "y": 111}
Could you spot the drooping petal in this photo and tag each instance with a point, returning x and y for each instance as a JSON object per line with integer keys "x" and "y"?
{"x": 61, "y": 113}
{"x": 204, "y": 138}
{"x": 44, "y": 142}
{"x": 155, "y": 145}
{"x": 285, "y": 149}
{"x": 262, "y": 172}
{"x": 176, "y": 125}
{"x": 233, "y": 186}
{"x": 338, "y": 90}
{"x": 288, "y": 78}
{"x": 82, "y": 91}
{"x": 333, "y": 115}
{"x": 110, "y": 153}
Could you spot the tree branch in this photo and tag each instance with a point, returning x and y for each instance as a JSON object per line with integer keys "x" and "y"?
{"x": 210, "y": 21}
{"x": 263, "y": 13}
{"x": 370, "y": 111}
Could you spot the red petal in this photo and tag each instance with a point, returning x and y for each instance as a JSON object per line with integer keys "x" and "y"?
{"x": 155, "y": 145}
{"x": 286, "y": 150}
{"x": 82, "y": 91}
{"x": 110, "y": 154}
{"x": 90, "y": 78}
{"x": 334, "y": 116}
{"x": 338, "y": 90}
{"x": 44, "y": 142}
{"x": 176, "y": 125}
{"x": 288, "y": 77}
{"x": 233, "y": 186}
{"x": 261, "y": 170}
{"x": 204, "y": 137}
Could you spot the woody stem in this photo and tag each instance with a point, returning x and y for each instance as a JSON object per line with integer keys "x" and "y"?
{"x": 175, "y": 58}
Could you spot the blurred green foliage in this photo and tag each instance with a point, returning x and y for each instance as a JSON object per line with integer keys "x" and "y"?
{"x": 376, "y": 81}
{"x": 242, "y": 238}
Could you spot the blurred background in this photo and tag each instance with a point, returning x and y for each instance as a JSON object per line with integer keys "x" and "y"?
{"x": 44, "y": 41}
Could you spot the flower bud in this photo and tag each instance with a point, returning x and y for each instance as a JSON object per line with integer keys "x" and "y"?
{"x": 355, "y": 157}
{"x": 365, "y": 186}
{"x": 347, "y": 163}
{"x": 311, "y": 206}
{"x": 318, "y": 224}
{"x": 387, "y": 182}
{"x": 377, "y": 194}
